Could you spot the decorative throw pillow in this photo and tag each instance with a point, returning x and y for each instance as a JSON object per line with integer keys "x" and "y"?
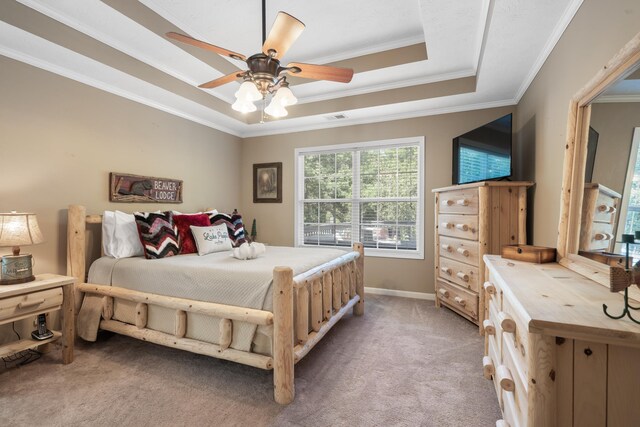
{"x": 158, "y": 234}
{"x": 234, "y": 225}
{"x": 185, "y": 238}
{"x": 125, "y": 237}
{"x": 108, "y": 229}
{"x": 214, "y": 238}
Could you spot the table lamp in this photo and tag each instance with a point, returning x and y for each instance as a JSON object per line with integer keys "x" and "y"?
{"x": 18, "y": 229}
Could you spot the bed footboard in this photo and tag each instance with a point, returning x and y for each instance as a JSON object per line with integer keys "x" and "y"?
{"x": 321, "y": 296}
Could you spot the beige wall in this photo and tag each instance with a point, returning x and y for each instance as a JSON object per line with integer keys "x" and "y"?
{"x": 615, "y": 123}
{"x": 596, "y": 33}
{"x": 60, "y": 139}
{"x": 276, "y": 221}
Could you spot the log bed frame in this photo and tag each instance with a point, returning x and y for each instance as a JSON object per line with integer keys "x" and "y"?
{"x": 330, "y": 290}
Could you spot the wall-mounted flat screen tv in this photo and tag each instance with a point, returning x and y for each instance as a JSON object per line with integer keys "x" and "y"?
{"x": 483, "y": 153}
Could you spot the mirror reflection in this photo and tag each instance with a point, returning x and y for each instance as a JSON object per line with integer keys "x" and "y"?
{"x": 611, "y": 203}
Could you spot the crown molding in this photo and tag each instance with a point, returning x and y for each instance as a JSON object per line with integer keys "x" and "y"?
{"x": 606, "y": 99}
{"x": 562, "y": 25}
{"x": 252, "y": 131}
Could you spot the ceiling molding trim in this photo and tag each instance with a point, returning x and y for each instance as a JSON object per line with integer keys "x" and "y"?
{"x": 483, "y": 30}
{"x": 379, "y": 118}
{"x": 103, "y": 38}
{"x": 376, "y": 48}
{"x": 387, "y": 86}
{"x": 605, "y": 99}
{"x": 56, "y": 69}
{"x": 553, "y": 39}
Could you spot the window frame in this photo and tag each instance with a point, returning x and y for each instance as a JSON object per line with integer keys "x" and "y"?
{"x": 299, "y": 153}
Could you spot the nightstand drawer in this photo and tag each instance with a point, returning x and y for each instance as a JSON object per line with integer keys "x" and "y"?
{"x": 19, "y": 307}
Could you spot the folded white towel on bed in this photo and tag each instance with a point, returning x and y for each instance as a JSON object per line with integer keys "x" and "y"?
{"x": 249, "y": 250}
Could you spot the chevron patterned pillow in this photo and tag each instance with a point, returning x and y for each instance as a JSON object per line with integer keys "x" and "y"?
{"x": 158, "y": 234}
{"x": 234, "y": 226}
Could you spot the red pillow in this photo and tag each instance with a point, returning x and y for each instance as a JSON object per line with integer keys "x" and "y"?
{"x": 185, "y": 238}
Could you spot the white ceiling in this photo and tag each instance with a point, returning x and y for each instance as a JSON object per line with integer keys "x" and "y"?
{"x": 481, "y": 53}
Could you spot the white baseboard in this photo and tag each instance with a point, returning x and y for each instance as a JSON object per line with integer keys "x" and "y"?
{"x": 403, "y": 294}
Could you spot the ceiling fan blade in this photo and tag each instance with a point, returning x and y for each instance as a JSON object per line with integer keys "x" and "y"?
{"x": 286, "y": 30}
{"x": 321, "y": 72}
{"x": 204, "y": 45}
{"x": 221, "y": 80}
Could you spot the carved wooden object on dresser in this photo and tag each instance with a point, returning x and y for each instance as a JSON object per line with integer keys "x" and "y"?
{"x": 554, "y": 358}
{"x": 473, "y": 220}
{"x": 599, "y": 212}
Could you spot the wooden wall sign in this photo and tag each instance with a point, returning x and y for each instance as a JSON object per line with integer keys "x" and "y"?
{"x": 143, "y": 189}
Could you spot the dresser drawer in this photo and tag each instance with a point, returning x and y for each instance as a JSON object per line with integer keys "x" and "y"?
{"x": 605, "y": 208}
{"x": 511, "y": 414}
{"x": 518, "y": 340}
{"x": 459, "y": 273}
{"x": 22, "y": 306}
{"x": 496, "y": 338}
{"x": 461, "y": 250}
{"x": 459, "y": 299}
{"x": 463, "y": 226}
{"x": 601, "y": 235}
{"x": 459, "y": 201}
{"x": 519, "y": 393}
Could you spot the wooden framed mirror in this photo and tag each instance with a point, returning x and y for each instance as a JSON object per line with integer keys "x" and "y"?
{"x": 623, "y": 64}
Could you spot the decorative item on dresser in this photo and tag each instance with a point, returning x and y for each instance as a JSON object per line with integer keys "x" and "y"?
{"x": 599, "y": 212}
{"x": 554, "y": 358}
{"x": 473, "y": 220}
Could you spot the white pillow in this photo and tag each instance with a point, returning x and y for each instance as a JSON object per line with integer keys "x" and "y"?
{"x": 126, "y": 240}
{"x": 108, "y": 229}
{"x": 214, "y": 238}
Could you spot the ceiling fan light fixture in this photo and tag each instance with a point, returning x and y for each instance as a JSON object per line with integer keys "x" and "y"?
{"x": 248, "y": 92}
{"x": 276, "y": 109}
{"x": 285, "y": 96}
{"x": 244, "y": 106}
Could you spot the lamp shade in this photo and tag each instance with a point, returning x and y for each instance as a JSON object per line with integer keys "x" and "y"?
{"x": 248, "y": 92}
{"x": 275, "y": 109}
{"x": 18, "y": 229}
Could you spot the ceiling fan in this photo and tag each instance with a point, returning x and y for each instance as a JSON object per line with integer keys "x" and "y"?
{"x": 265, "y": 74}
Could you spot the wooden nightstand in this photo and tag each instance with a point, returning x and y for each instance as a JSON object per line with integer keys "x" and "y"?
{"x": 49, "y": 292}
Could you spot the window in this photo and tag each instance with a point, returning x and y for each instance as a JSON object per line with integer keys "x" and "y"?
{"x": 370, "y": 192}
{"x": 630, "y": 213}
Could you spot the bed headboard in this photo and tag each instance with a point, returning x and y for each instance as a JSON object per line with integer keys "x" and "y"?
{"x": 77, "y": 245}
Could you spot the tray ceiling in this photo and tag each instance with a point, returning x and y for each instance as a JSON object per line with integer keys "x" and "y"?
{"x": 411, "y": 58}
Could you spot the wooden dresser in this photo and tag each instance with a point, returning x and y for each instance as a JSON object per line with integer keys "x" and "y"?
{"x": 599, "y": 212}
{"x": 555, "y": 359}
{"x": 473, "y": 220}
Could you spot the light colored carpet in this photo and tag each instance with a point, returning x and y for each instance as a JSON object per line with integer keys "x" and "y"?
{"x": 405, "y": 363}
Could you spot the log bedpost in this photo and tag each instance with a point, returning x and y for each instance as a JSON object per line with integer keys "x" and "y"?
{"x": 76, "y": 252}
{"x": 358, "y": 309}
{"x": 283, "y": 379}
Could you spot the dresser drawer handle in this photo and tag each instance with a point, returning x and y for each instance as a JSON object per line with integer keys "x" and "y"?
{"x": 447, "y": 270}
{"x": 504, "y": 378}
{"x": 27, "y": 304}
{"x": 603, "y": 236}
{"x": 487, "y": 367}
{"x": 446, "y": 247}
{"x": 463, "y": 252}
{"x": 606, "y": 209}
{"x": 506, "y": 322}
{"x": 443, "y": 293}
{"x": 489, "y": 288}
{"x": 489, "y": 327}
{"x": 462, "y": 202}
{"x": 447, "y": 225}
{"x": 462, "y": 276}
{"x": 460, "y": 301}
{"x": 463, "y": 227}
{"x": 448, "y": 202}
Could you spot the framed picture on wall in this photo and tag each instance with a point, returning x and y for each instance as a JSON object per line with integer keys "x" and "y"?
{"x": 267, "y": 182}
